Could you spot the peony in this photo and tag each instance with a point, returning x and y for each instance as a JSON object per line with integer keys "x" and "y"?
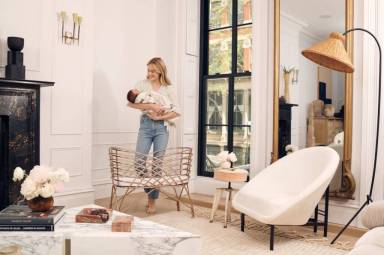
{"x": 60, "y": 175}
{"x": 47, "y": 190}
{"x": 29, "y": 189}
{"x": 41, "y": 181}
{"x": 225, "y": 164}
{"x": 232, "y": 157}
{"x": 222, "y": 156}
{"x": 18, "y": 174}
{"x": 41, "y": 174}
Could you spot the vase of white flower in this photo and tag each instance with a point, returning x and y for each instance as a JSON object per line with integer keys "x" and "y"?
{"x": 40, "y": 204}
{"x": 39, "y": 186}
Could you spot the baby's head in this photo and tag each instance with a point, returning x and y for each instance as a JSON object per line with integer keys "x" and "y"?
{"x": 132, "y": 94}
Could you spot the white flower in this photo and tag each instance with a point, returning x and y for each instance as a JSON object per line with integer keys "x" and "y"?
{"x": 29, "y": 189}
{"x": 232, "y": 157}
{"x": 290, "y": 148}
{"x": 222, "y": 156}
{"x": 60, "y": 175}
{"x": 18, "y": 174}
{"x": 47, "y": 190}
{"x": 42, "y": 181}
{"x": 225, "y": 164}
{"x": 41, "y": 174}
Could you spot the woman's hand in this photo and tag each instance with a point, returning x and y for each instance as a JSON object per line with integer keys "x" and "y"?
{"x": 154, "y": 116}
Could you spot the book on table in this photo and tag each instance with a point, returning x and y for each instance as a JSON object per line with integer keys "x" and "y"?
{"x": 21, "y": 218}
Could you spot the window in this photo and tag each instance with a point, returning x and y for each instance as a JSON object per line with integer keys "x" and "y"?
{"x": 225, "y": 81}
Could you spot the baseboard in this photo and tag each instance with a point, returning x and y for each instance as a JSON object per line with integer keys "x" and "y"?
{"x": 75, "y": 198}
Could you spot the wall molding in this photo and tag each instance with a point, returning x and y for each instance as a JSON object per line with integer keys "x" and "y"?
{"x": 76, "y": 172}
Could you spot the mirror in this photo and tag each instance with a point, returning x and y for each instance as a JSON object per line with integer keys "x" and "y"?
{"x": 312, "y": 104}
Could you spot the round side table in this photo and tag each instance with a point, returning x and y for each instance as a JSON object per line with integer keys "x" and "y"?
{"x": 229, "y": 176}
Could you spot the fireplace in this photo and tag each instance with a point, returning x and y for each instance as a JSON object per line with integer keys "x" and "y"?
{"x": 285, "y": 118}
{"x": 20, "y": 132}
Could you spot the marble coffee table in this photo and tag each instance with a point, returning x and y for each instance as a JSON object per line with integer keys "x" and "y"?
{"x": 146, "y": 238}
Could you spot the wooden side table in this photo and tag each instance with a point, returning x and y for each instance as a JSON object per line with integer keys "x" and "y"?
{"x": 226, "y": 175}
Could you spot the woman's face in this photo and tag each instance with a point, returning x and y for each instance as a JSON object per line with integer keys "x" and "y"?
{"x": 153, "y": 75}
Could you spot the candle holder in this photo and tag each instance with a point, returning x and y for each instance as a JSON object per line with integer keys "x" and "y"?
{"x": 72, "y": 36}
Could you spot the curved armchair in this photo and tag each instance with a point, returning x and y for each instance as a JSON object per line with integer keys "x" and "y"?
{"x": 288, "y": 191}
{"x": 169, "y": 168}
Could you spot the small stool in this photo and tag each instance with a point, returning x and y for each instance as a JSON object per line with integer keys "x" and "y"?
{"x": 226, "y": 175}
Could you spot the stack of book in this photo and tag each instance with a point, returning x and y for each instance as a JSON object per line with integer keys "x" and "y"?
{"x": 21, "y": 218}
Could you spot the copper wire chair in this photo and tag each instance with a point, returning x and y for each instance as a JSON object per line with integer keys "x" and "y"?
{"x": 169, "y": 168}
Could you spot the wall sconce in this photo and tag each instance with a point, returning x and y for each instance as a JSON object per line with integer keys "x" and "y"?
{"x": 69, "y": 37}
{"x": 295, "y": 76}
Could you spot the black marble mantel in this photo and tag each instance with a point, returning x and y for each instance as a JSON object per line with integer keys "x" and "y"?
{"x": 20, "y": 128}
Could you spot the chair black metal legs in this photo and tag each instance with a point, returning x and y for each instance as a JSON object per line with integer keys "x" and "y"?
{"x": 322, "y": 212}
{"x": 271, "y": 237}
{"x": 315, "y": 221}
{"x": 242, "y": 223}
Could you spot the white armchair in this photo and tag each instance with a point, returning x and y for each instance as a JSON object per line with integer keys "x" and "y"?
{"x": 338, "y": 146}
{"x": 288, "y": 191}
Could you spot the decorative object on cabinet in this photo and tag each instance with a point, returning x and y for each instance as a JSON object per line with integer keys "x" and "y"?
{"x": 15, "y": 69}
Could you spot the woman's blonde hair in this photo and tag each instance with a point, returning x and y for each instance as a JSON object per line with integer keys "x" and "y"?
{"x": 161, "y": 69}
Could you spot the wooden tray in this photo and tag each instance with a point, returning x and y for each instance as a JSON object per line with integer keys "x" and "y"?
{"x": 93, "y": 215}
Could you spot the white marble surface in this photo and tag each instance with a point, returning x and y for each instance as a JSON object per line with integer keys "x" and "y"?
{"x": 146, "y": 238}
{"x": 33, "y": 243}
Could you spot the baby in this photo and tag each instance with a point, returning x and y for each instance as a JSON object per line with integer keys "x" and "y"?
{"x": 134, "y": 96}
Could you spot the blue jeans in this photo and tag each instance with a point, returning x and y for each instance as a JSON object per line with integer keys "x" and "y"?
{"x": 152, "y": 132}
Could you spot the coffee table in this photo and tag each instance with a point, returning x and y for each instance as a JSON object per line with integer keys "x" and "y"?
{"x": 69, "y": 237}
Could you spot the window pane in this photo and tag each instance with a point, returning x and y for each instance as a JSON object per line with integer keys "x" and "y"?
{"x": 244, "y": 49}
{"x": 244, "y": 11}
{"x": 216, "y": 141}
{"x": 242, "y": 102}
{"x": 217, "y": 101}
{"x": 220, "y": 13}
{"x": 220, "y": 50}
{"x": 242, "y": 145}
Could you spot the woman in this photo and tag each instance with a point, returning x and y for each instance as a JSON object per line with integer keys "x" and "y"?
{"x": 153, "y": 126}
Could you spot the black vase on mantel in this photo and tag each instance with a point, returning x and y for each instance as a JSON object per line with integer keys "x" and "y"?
{"x": 15, "y": 69}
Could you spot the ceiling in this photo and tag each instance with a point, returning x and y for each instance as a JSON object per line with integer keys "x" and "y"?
{"x": 320, "y": 16}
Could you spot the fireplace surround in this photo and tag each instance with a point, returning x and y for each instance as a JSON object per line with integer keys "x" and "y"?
{"x": 20, "y": 132}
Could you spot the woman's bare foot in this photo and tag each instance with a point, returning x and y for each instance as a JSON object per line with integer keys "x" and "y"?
{"x": 151, "y": 207}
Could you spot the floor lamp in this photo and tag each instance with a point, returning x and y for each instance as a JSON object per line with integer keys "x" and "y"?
{"x": 331, "y": 53}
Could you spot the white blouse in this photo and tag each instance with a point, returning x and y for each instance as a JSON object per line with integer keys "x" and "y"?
{"x": 146, "y": 86}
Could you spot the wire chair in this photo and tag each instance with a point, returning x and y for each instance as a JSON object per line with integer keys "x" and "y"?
{"x": 169, "y": 168}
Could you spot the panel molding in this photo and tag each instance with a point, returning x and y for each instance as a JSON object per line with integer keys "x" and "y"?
{"x": 74, "y": 172}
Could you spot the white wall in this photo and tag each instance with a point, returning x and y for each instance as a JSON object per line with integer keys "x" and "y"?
{"x": 127, "y": 35}
{"x": 66, "y": 107}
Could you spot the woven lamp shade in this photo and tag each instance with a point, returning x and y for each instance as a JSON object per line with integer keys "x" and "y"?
{"x": 331, "y": 53}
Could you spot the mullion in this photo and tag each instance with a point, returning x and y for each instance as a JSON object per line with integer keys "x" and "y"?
{"x": 219, "y": 28}
{"x": 225, "y": 125}
{"x": 244, "y": 24}
{"x": 204, "y": 51}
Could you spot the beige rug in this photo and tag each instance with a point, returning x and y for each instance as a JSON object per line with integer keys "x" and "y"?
{"x": 218, "y": 240}
{"x": 255, "y": 239}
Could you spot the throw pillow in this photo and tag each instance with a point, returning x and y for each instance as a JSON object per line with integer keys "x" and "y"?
{"x": 373, "y": 215}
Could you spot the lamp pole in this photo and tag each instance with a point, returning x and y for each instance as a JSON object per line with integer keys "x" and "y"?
{"x": 369, "y": 196}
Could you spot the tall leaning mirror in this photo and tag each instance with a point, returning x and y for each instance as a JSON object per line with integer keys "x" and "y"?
{"x": 312, "y": 104}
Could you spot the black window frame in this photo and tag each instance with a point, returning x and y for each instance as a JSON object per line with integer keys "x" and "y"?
{"x": 204, "y": 76}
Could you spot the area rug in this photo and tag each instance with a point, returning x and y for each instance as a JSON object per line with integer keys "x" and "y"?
{"x": 255, "y": 240}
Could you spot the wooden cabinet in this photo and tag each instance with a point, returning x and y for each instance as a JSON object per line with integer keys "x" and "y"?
{"x": 325, "y": 129}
